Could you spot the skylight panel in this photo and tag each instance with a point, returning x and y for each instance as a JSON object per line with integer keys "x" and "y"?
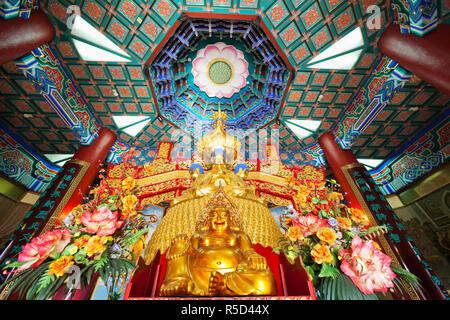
{"x": 92, "y": 53}
{"x": 312, "y": 125}
{"x": 351, "y": 41}
{"x": 303, "y": 128}
{"x": 370, "y": 164}
{"x": 59, "y": 159}
{"x": 125, "y": 121}
{"x": 135, "y": 129}
{"x": 344, "y": 62}
{"x": 342, "y": 55}
{"x": 299, "y": 132}
{"x": 93, "y": 45}
{"x": 82, "y": 29}
{"x": 131, "y": 125}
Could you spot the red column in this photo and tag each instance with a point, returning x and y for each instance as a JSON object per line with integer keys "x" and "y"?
{"x": 427, "y": 57}
{"x": 65, "y": 192}
{"x": 95, "y": 154}
{"x": 361, "y": 192}
{"x": 337, "y": 158}
{"x": 19, "y": 36}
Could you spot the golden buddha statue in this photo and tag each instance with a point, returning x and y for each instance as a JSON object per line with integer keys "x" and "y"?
{"x": 215, "y": 185}
{"x": 218, "y": 139}
{"x": 218, "y": 260}
{"x": 219, "y": 151}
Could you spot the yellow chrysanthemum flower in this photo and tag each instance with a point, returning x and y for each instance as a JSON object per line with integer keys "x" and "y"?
{"x": 321, "y": 253}
{"x": 359, "y": 216}
{"x": 128, "y": 183}
{"x": 294, "y": 233}
{"x": 81, "y": 241}
{"x": 344, "y": 223}
{"x": 95, "y": 245}
{"x": 327, "y": 235}
{"x": 60, "y": 266}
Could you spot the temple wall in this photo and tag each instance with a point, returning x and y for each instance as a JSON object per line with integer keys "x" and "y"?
{"x": 425, "y": 213}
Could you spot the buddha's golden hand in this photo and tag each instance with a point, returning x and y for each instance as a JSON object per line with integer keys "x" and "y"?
{"x": 178, "y": 247}
{"x": 176, "y": 287}
{"x": 256, "y": 262}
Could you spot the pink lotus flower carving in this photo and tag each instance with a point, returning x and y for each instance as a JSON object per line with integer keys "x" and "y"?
{"x": 220, "y": 70}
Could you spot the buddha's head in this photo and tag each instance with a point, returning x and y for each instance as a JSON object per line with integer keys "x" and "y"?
{"x": 219, "y": 219}
{"x": 219, "y": 156}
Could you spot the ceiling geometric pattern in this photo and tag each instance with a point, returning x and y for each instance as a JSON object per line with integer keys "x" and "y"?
{"x": 174, "y": 76}
{"x": 298, "y": 30}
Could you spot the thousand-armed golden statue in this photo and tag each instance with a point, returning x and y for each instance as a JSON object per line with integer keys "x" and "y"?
{"x": 219, "y": 218}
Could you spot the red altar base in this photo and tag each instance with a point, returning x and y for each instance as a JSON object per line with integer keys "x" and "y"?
{"x": 293, "y": 281}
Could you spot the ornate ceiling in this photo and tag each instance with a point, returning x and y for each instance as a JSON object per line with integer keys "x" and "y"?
{"x": 162, "y": 39}
{"x": 252, "y": 92}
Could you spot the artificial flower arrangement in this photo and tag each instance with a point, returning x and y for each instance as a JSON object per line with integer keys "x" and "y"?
{"x": 332, "y": 240}
{"x": 97, "y": 237}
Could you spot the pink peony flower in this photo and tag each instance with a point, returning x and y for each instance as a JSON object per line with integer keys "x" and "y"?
{"x": 309, "y": 224}
{"x": 102, "y": 221}
{"x": 40, "y": 248}
{"x": 367, "y": 266}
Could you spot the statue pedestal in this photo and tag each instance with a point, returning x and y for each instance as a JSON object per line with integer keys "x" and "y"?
{"x": 293, "y": 282}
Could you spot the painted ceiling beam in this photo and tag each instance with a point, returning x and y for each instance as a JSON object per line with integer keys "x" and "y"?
{"x": 51, "y": 79}
{"x": 423, "y": 153}
{"x": 418, "y": 17}
{"x": 378, "y": 90}
{"x": 387, "y": 78}
{"x": 21, "y": 8}
{"x": 22, "y": 163}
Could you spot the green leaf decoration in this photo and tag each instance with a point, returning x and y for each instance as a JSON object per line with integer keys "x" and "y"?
{"x": 323, "y": 214}
{"x": 44, "y": 281}
{"x": 371, "y": 230}
{"x": 291, "y": 255}
{"x": 132, "y": 238}
{"x": 277, "y": 250}
{"x": 80, "y": 256}
{"x": 341, "y": 288}
{"x": 328, "y": 271}
{"x": 69, "y": 250}
{"x": 100, "y": 263}
{"x": 404, "y": 276}
{"x": 310, "y": 271}
{"x": 15, "y": 264}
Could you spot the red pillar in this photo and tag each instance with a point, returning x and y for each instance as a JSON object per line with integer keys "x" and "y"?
{"x": 338, "y": 158}
{"x": 427, "y": 57}
{"x": 95, "y": 154}
{"x": 19, "y": 36}
{"x": 361, "y": 192}
{"x": 65, "y": 192}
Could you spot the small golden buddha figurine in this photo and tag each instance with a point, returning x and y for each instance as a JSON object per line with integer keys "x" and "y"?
{"x": 218, "y": 260}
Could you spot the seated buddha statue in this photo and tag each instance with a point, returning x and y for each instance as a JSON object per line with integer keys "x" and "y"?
{"x": 204, "y": 184}
{"x": 217, "y": 260}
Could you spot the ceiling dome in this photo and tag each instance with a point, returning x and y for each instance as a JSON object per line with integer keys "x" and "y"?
{"x": 242, "y": 74}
